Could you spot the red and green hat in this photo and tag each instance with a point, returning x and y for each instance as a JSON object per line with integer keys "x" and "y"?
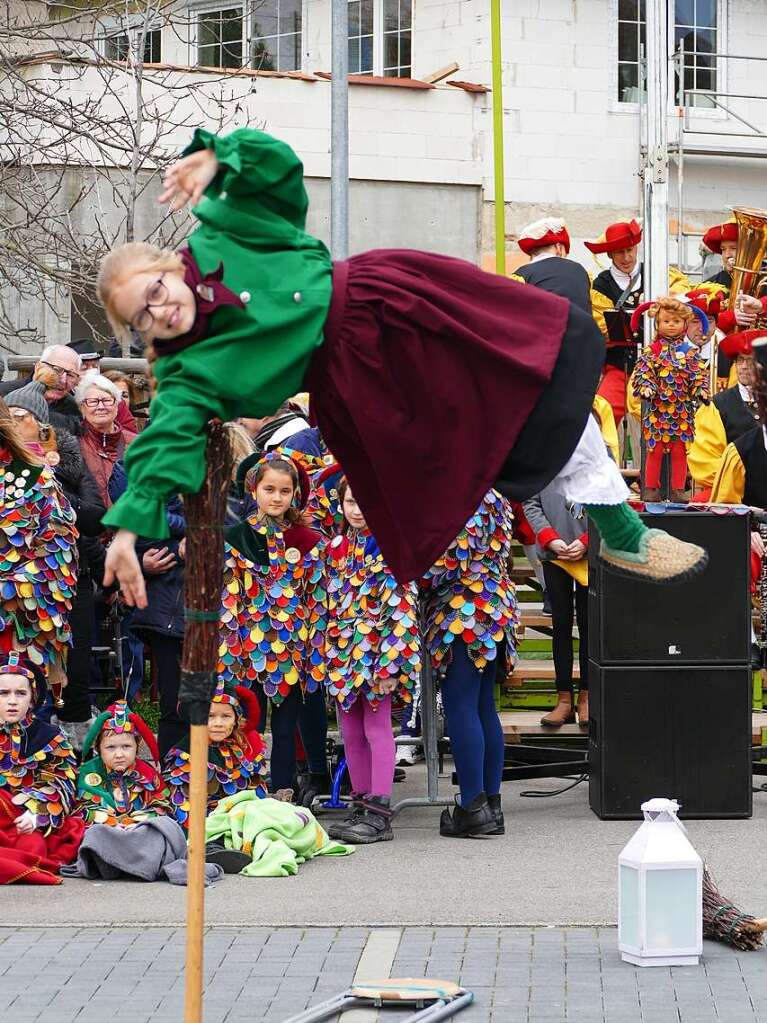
{"x": 118, "y": 720}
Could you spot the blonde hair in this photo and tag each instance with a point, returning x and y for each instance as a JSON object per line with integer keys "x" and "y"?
{"x": 123, "y": 262}
{"x": 671, "y": 305}
{"x": 240, "y": 443}
{"x": 10, "y": 438}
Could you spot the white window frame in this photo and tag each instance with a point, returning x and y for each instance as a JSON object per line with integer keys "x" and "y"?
{"x": 130, "y": 30}
{"x": 207, "y": 7}
{"x": 711, "y": 113}
{"x": 378, "y": 40}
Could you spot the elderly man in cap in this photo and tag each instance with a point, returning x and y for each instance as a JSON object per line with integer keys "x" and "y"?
{"x": 59, "y": 369}
{"x": 615, "y": 294}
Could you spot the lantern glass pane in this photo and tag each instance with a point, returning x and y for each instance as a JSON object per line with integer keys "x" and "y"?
{"x": 629, "y": 922}
{"x": 672, "y": 908}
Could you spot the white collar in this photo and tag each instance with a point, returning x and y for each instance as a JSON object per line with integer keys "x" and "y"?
{"x": 542, "y": 255}
{"x": 744, "y": 393}
{"x": 764, "y": 436}
{"x": 622, "y": 279}
{"x": 285, "y": 431}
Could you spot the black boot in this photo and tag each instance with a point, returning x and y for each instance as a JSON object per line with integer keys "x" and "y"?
{"x": 494, "y": 802}
{"x": 468, "y": 822}
{"x": 355, "y": 813}
{"x": 232, "y": 860}
{"x": 373, "y": 824}
{"x": 312, "y": 786}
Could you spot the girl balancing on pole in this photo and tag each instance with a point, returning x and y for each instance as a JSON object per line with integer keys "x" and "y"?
{"x": 415, "y": 362}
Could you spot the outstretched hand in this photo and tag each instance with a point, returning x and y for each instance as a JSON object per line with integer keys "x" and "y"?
{"x": 186, "y": 180}
{"x": 122, "y": 564}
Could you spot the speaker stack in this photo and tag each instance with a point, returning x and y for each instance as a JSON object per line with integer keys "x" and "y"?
{"x": 670, "y": 679}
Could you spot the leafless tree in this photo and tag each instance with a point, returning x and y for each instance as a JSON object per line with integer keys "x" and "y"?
{"x": 87, "y": 125}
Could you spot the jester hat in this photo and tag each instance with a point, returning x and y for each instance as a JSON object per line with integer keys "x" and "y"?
{"x": 246, "y": 708}
{"x": 14, "y": 666}
{"x": 116, "y": 720}
{"x": 645, "y": 306}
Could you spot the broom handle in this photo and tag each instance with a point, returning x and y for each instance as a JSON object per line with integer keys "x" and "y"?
{"x": 195, "y": 897}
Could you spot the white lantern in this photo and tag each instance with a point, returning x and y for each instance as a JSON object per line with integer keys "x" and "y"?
{"x": 660, "y": 892}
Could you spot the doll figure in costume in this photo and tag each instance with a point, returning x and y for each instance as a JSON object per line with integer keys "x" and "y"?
{"x": 38, "y": 771}
{"x": 273, "y": 604}
{"x": 372, "y": 653}
{"x": 671, "y": 376}
{"x": 235, "y": 751}
{"x": 115, "y": 786}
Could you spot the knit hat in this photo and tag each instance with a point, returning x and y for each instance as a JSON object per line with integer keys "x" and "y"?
{"x": 31, "y": 397}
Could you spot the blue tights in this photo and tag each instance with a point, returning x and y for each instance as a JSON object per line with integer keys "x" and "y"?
{"x": 476, "y": 736}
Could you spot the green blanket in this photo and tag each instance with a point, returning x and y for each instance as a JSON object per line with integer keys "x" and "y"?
{"x": 279, "y": 836}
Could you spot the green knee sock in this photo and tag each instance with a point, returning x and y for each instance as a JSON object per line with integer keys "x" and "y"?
{"x": 619, "y": 525}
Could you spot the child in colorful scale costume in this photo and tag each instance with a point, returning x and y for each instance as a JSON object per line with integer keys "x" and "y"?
{"x": 273, "y": 603}
{"x": 671, "y": 376}
{"x": 38, "y": 554}
{"x": 38, "y": 771}
{"x": 115, "y": 786}
{"x": 235, "y": 751}
{"x": 372, "y": 652}
{"x": 471, "y": 616}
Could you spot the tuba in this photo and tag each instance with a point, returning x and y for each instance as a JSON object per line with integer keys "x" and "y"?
{"x": 748, "y": 277}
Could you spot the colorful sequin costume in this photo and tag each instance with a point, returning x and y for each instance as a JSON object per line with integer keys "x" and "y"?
{"x": 372, "y": 623}
{"x": 324, "y": 508}
{"x": 674, "y": 380}
{"x": 38, "y": 773}
{"x": 468, "y": 592}
{"x": 121, "y": 797}
{"x": 234, "y": 764}
{"x": 273, "y": 603}
{"x": 38, "y": 561}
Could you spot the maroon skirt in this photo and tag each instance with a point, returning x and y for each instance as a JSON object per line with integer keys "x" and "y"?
{"x": 437, "y": 381}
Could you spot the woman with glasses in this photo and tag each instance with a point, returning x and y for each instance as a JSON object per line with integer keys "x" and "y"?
{"x": 102, "y": 440}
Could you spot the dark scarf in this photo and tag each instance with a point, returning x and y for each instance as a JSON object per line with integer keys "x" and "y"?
{"x": 210, "y": 293}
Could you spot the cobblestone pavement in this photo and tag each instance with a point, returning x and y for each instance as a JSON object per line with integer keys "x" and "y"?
{"x": 258, "y": 975}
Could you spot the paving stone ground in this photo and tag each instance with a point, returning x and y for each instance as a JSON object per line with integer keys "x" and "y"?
{"x": 262, "y": 975}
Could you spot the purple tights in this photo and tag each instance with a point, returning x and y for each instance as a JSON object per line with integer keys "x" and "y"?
{"x": 369, "y": 746}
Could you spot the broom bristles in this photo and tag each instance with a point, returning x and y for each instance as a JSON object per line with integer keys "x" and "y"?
{"x": 722, "y": 921}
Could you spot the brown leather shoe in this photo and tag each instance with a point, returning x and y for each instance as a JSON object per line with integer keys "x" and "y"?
{"x": 680, "y": 497}
{"x": 582, "y": 710}
{"x": 563, "y": 713}
{"x": 652, "y": 494}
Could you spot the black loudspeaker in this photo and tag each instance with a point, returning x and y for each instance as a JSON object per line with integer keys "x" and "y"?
{"x": 684, "y": 733}
{"x": 704, "y": 621}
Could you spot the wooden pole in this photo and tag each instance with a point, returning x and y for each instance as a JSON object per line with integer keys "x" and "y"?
{"x": 203, "y": 579}
{"x": 498, "y": 169}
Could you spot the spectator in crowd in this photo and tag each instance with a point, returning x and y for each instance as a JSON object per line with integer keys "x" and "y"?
{"x": 90, "y": 356}
{"x": 59, "y": 368}
{"x": 471, "y": 616}
{"x": 287, "y": 428}
{"x": 561, "y": 531}
{"x": 37, "y": 540}
{"x": 160, "y": 625}
{"x": 125, "y": 416}
{"x": 31, "y": 416}
{"x": 102, "y": 441}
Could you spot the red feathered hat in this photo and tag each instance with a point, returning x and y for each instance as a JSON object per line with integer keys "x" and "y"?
{"x": 622, "y": 235}
{"x": 542, "y": 233}
{"x": 708, "y": 298}
{"x": 740, "y": 343}
{"x": 726, "y": 232}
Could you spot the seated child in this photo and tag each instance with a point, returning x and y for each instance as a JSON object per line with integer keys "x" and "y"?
{"x": 131, "y": 829}
{"x": 235, "y": 757}
{"x": 37, "y": 785}
{"x": 115, "y": 786}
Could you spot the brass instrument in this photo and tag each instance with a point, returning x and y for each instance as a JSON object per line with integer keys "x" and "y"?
{"x": 748, "y": 277}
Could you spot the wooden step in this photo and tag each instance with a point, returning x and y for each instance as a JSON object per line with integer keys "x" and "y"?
{"x": 530, "y": 670}
{"x": 519, "y": 723}
{"x": 523, "y": 574}
{"x": 534, "y": 620}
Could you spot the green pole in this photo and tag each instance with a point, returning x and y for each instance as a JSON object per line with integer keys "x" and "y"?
{"x": 500, "y": 204}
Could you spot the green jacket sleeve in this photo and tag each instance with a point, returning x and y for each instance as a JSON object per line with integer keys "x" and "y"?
{"x": 167, "y": 457}
{"x": 255, "y": 166}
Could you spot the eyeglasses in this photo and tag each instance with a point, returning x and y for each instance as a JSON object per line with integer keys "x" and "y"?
{"x": 107, "y": 401}
{"x": 71, "y": 374}
{"x": 156, "y": 294}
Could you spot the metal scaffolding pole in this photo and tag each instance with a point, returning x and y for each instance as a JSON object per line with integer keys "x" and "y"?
{"x": 339, "y": 131}
{"x": 656, "y": 165}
